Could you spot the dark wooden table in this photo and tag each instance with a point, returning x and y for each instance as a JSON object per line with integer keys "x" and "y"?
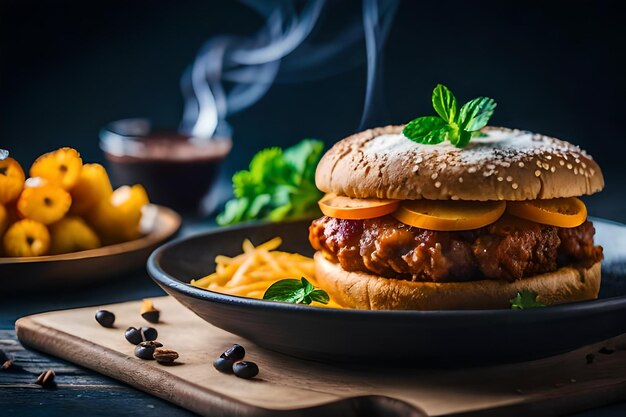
{"x": 81, "y": 392}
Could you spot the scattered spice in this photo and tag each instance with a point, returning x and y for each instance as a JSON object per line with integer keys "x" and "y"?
{"x": 46, "y": 379}
{"x": 105, "y": 318}
{"x": 149, "y": 312}
{"x": 165, "y": 356}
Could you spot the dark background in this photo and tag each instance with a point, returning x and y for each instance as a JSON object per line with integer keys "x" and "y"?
{"x": 69, "y": 67}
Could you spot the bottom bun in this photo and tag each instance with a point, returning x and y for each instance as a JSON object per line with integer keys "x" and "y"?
{"x": 369, "y": 292}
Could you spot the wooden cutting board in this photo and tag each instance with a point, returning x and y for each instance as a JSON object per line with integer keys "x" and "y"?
{"x": 287, "y": 386}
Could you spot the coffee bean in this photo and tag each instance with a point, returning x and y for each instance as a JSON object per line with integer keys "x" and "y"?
{"x": 165, "y": 356}
{"x": 6, "y": 361}
{"x": 145, "y": 350}
{"x": 149, "y": 333}
{"x": 606, "y": 350}
{"x": 133, "y": 336}
{"x": 105, "y": 318}
{"x": 235, "y": 352}
{"x": 224, "y": 365}
{"x": 46, "y": 379}
{"x": 245, "y": 369}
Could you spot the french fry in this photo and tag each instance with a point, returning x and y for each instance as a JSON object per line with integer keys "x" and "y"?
{"x": 252, "y": 272}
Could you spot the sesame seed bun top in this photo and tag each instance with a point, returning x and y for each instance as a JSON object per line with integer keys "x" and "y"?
{"x": 507, "y": 164}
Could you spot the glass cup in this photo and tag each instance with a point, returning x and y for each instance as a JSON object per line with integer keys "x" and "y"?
{"x": 177, "y": 170}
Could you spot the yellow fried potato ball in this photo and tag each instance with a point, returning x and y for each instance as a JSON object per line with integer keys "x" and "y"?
{"x": 93, "y": 186}
{"x": 26, "y": 238}
{"x": 72, "y": 234}
{"x": 4, "y": 219}
{"x": 43, "y": 201}
{"x": 11, "y": 180}
{"x": 117, "y": 219}
{"x": 61, "y": 167}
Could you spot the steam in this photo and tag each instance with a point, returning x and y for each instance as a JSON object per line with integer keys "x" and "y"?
{"x": 230, "y": 74}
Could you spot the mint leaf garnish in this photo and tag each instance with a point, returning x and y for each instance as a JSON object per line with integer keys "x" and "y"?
{"x": 297, "y": 291}
{"x": 429, "y": 129}
{"x": 444, "y": 103}
{"x": 525, "y": 299}
{"x": 279, "y": 185}
{"x": 475, "y": 114}
{"x": 458, "y": 127}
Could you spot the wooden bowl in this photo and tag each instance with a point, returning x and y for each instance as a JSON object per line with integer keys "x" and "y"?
{"x": 80, "y": 269}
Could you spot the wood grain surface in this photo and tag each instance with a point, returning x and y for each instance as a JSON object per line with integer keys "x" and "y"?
{"x": 287, "y": 386}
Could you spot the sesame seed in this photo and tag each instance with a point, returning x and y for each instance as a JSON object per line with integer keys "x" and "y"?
{"x": 592, "y": 172}
{"x": 471, "y": 170}
{"x": 545, "y": 166}
{"x": 561, "y": 162}
{"x": 437, "y": 184}
{"x": 521, "y": 165}
{"x": 487, "y": 173}
{"x": 491, "y": 166}
{"x": 509, "y": 178}
{"x": 575, "y": 171}
{"x": 514, "y": 186}
{"x": 537, "y": 173}
{"x": 454, "y": 197}
{"x": 577, "y": 161}
{"x": 539, "y": 164}
{"x": 419, "y": 159}
{"x": 584, "y": 165}
{"x": 434, "y": 176}
{"x": 548, "y": 157}
{"x": 500, "y": 179}
{"x": 552, "y": 169}
{"x": 461, "y": 179}
{"x": 569, "y": 166}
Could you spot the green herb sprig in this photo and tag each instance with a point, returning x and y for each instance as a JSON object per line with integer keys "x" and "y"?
{"x": 456, "y": 126}
{"x": 298, "y": 291}
{"x": 279, "y": 185}
{"x": 525, "y": 299}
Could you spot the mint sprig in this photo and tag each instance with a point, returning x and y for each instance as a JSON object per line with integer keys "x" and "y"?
{"x": 298, "y": 291}
{"x": 457, "y": 126}
{"x": 525, "y": 299}
{"x": 279, "y": 185}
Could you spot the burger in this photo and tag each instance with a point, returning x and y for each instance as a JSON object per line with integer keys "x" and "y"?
{"x": 419, "y": 226}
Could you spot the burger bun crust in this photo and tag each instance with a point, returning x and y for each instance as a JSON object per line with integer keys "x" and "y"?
{"x": 364, "y": 291}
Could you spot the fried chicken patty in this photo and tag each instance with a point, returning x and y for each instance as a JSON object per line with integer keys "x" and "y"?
{"x": 509, "y": 249}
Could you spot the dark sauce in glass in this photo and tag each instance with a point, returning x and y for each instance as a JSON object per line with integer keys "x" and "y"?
{"x": 177, "y": 170}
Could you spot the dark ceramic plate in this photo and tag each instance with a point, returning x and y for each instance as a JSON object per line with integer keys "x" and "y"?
{"x": 427, "y": 337}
